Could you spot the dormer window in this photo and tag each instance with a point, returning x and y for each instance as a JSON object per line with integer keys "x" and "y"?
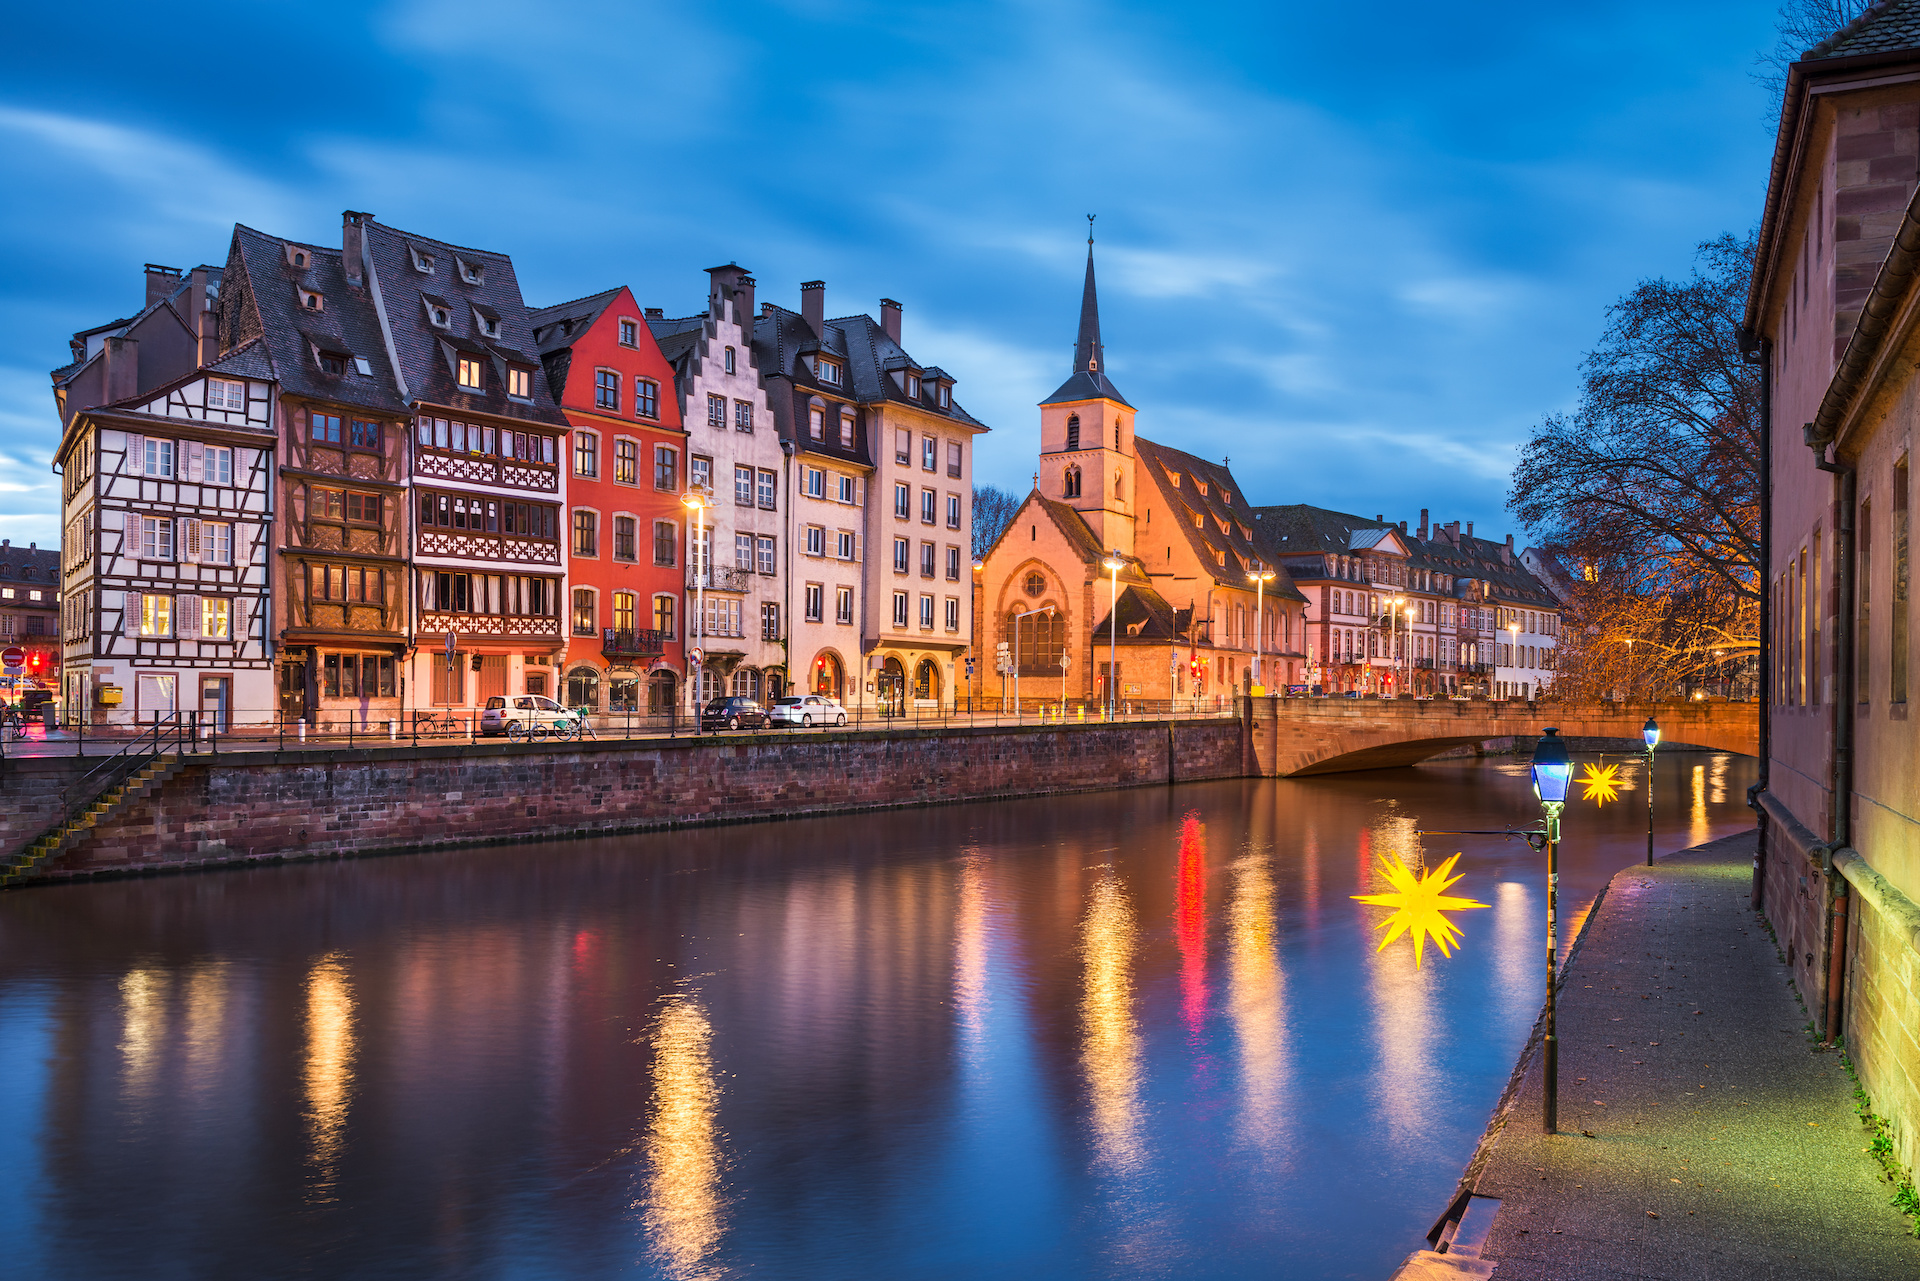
{"x": 298, "y": 257}
{"x": 471, "y": 272}
{"x": 629, "y": 333}
{"x": 826, "y": 371}
{"x": 913, "y": 386}
{"x": 1174, "y": 478}
{"x": 946, "y": 396}
{"x": 1200, "y": 485}
{"x": 520, "y": 384}
{"x": 487, "y": 320}
{"x": 423, "y": 262}
{"x": 333, "y": 362}
{"x": 312, "y": 301}
{"x": 467, "y": 372}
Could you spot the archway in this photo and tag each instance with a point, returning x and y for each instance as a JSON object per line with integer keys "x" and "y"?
{"x": 583, "y": 688}
{"x": 829, "y": 677}
{"x": 746, "y": 683}
{"x": 623, "y": 690}
{"x": 893, "y": 688}
{"x": 926, "y": 680}
{"x": 663, "y": 693}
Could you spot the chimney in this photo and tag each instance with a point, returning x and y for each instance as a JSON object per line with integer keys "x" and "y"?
{"x": 813, "y": 305}
{"x": 1423, "y": 522}
{"x": 161, "y": 281}
{"x": 743, "y": 304}
{"x": 1379, "y": 518}
{"x": 1403, "y": 526}
{"x": 353, "y": 245}
{"x": 890, "y": 318}
{"x": 209, "y": 337}
{"x": 656, "y": 313}
{"x": 1506, "y": 553}
{"x": 123, "y": 369}
{"x": 1453, "y": 532}
{"x": 1469, "y": 529}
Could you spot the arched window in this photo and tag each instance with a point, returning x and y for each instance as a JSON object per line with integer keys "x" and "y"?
{"x": 1071, "y": 489}
{"x": 1119, "y": 486}
{"x": 662, "y": 693}
{"x": 828, "y": 677}
{"x": 1039, "y": 640}
{"x": 583, "y": 688}
{"x": 1073, "y": 431}
{"x": 926, "y": 680}
{"x": 746, "y": 683}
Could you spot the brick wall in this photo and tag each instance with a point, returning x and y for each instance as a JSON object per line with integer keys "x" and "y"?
{"x": 266, "y": 806}
{"x": 1882, "y": 1018}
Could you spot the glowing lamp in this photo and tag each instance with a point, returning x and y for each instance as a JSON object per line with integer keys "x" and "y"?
{"x": 1552, "y": 769}
{"x": 1651, "y": 732}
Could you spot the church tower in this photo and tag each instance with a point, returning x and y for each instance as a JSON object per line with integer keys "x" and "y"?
{"x": 1086, "y": 435}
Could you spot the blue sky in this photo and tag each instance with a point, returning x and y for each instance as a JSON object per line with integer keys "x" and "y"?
{"x": 1358, "y": 249}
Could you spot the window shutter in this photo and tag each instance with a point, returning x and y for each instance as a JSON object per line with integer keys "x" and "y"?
{"x": 136, "y": 454}
{"x": 130, "y": 614}
{"x": 186, "y": 617}
{"x": 189, "y": 533}
{"x": 858, "y": 541}
{"x": 195, "y": 457}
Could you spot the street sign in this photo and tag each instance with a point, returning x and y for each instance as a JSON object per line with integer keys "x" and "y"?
{"x": 695, "y": 654}
{"x": 14, "y": 658}
{"x": 969, "y": 667}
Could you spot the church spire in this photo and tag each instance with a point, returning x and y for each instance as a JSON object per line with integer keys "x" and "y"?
{"x": 1088, "y": 381}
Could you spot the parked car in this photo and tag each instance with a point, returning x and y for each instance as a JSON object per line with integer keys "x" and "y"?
{"x": 529, "y": 715}
{"x": 733, "y": 712}
{"x": 33, "y": 700}
{"x": 806, "y": 710}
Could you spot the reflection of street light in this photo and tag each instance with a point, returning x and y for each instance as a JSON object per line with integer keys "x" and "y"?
{"x": 1552, "y": 771}
{"x": 697, "y": 503}
{"x": 1113, "y": 565}
{"x": 1513, "y": 644}
{"x": 1651, "y": 732}
{"x": 1259, "y": 578}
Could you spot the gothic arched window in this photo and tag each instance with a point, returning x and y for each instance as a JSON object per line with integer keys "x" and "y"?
{"x": 1073, "y": 431}
{"x": 1070, "y": 487}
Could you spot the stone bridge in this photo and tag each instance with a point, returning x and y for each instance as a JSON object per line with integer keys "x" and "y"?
{"x": 1296, "y": 736}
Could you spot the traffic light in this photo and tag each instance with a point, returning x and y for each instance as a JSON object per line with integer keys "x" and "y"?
{"x": 35, "y": 661}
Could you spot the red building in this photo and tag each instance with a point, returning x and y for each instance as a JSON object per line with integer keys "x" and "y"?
{"x": 625, "y": 456}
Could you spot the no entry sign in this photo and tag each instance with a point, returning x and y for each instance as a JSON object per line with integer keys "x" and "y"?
{"x": 14, "y": 657}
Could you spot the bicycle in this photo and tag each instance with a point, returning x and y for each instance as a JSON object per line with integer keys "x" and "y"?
{"x": 12, "y": 721}
{"x": 429, "y": 723}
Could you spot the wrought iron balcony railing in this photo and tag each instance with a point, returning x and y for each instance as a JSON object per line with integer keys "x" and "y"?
{"x": 643, "y": 642}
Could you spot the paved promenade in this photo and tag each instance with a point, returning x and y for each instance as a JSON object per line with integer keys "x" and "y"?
{"x": 1702, "y": 1135}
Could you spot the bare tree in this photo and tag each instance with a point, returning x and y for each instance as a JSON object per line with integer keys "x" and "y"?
{"x": 1652, "y": 486}
{"x": 1802, "y": 24}
{"x": 992, "y": 509}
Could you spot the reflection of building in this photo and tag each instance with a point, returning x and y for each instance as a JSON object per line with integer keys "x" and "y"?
{"x": 165, "y": 460}
{"x": 905, "y": 569}
{"x": 1190, "y": 623}
{"x": 625, "y": 454}
{"x": 736, "y": 582}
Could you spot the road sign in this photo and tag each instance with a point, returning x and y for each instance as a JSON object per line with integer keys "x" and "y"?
{"x": 969, "y": 667}
{"x": 14, "y": 657}
{"x": 695, "y": 654}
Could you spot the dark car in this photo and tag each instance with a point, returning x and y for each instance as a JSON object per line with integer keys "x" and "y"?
{"x": 735, "y": 712}
{"x": 34, "y": 699}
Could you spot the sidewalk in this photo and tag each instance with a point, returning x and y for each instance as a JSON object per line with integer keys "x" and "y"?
{"x": 1702, "y": 1136}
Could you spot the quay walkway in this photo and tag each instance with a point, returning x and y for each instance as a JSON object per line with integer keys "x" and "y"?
{"x": 1704, "y": 1134}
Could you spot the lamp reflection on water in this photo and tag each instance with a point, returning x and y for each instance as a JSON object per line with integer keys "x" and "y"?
{"x": 682, "y": 1206}
{"x": 1190, "y": 924}
{"x": 1699, "y": 828}
{"x": 143, "y": 1017}
{"x": 970, "y": 960}
{"x": 1111, "y": 1053}
{"x": 1402, "y": 997}
{"x": 1259, "y": 1001}
{"x": 328, "y": 1073}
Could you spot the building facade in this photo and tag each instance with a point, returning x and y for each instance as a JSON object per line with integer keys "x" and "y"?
{"x": 625, "y": 457}
{"x": 30, "y": 613}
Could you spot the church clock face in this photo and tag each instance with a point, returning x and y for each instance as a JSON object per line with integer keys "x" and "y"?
{"x": 1036, "y": 584}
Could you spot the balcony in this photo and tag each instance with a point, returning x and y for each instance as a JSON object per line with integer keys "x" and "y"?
{"x": 720, "y": 579}
{"x": 644, "y": 642}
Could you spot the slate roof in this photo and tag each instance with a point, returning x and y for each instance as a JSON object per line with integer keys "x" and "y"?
{"x": 1223, "y": 503}
{"x": 260, "y": 296}
{"x": 44, "y": 562}
{"x": 1885, "y": 27}
{"x": 1088, "y": 381}
{"x": 556, "y": 327}
{"x": 1302, "y": 536}
{"x": 1159, "y": 622}
{"x": 871, "y": 355}
{"x": 424, "y": 350}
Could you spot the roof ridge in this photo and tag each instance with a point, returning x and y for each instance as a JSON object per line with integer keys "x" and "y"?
{"x": 1870, "y": 16}
{"x": 444, "y": 244}
{"x": 552, "y": 306}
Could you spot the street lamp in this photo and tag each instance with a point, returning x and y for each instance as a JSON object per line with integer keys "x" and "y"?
{"x": 1259, "y": 578}
{"x": 1113, "y": 565}
{"x": 1651, "y": 732}
{"x": 1552, "y": 771}
{"x": 697, "y": 503}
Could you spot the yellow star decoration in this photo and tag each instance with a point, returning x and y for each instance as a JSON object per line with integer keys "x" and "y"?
{"x": 1420, "y": 906}
{"x": 1602, "y": 785}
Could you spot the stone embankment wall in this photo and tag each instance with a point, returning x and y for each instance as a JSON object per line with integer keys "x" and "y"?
{"x": 264, "y": 806}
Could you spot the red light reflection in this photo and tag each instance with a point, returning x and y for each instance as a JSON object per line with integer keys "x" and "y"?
{"x": 1190, "y": 922}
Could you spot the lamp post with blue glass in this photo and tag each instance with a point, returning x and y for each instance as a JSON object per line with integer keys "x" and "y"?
{"x": 1651, "y": 732}
{"x": 1552, "y": 772}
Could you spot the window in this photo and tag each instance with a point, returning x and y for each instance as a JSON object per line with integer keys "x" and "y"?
{"x": 364, "y": 435}
{"x": 625, "y": 538}
{"x": 816, "y": 541}
{"x": 332, "y": 362}
{"x": 156, "y": 615}
{"x": 629, "y": 333}
{"x": 666, "y": 537}
{"x": 927, "y": 503}
{"x": 902, "y": 553}
{"x": 926, "y": 560}
{"x": 953, "y": 564}
{"x": 216, "y": 622}
{"x": 846, "y": 431}
{"x": 216, "y": 466}
{"x": 953, "y": 454}
{"x": 646, "y": 398}
{"x": 899, "y": 609}
{"x": 743, "y": 551}
{"x": 1073, "y": 431}
{"x": 953, "y": 613}
{"x": 827, "y": 372}
{"x": 222, "y": 394}
{"x": 663, "y": 616}
{"x": 929, "y": 453}
{"x": 765, "y": 491}
{"x": 626, "y": 462}
{"x": 843, "y": 605}
{"x": 913, "y": 386}
{"x": 583, "y": 620}
{"x": 216, "y": 545}
{"x": 817, "y": 423}
{"x": 666, "y": 468}
{"x": 586, "y": 534}
{"x": 846, "y": 489}
{"x": 903, "y": 446}
{"x": 606, "y": 390}
{"x": 324, "y": 428}
{"x": 902, "y": 501}
{"x": 586, "y": 454}
{"x": 716, "y": 411}
{"x": 769, "y": 620}
{"x": 844, "y": 549}
{"x": 813, "y": 597}
{"x": 953, "y": 511}
{"x": 742, "y": 486}
{"x": 468, "y": 372}
{"x": 814, "y": 482}
{"x": 156, "y": 538}
{"x": 946, "y": 396}
{"x": 729, "y": 360}
{"x": 926, "y": 612}
{"x": 520, "y": 384}
{"x": 763, "y": 551}
{"x": 743, "y": 415}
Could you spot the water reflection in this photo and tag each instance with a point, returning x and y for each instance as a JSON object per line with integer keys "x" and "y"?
{"x": 1259, "y": 998}
{"x": 1111, "y": 1049}
{"x": 329, "y": 1069}
{"x": 1401, "y": 994}
{"x": 1190, "y": 924}
{"x": 970, "y": 960}
{"x": 1699, "y": 828}
{"x": 143, "y": 1022}
{"x": 682, "y": 1207}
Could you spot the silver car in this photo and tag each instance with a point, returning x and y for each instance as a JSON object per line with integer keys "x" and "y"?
{"x": 806, "y": 711}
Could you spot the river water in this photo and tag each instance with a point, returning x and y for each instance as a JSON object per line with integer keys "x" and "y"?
{"x": 1135, "y": 1034}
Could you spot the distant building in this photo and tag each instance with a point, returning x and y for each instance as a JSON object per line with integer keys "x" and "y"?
{"x": 30, "y": 611}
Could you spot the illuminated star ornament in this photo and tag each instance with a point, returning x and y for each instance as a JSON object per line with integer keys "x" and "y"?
{"x": 1420, "y": 906}
{"x": 1602, "y": 785}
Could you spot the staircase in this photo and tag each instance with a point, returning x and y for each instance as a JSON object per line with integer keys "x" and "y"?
{"x": 142, "y": 782}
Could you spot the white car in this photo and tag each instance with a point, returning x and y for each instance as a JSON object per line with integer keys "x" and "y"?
{"x": 524, "y": 715}
{"x": 806, "y": 711}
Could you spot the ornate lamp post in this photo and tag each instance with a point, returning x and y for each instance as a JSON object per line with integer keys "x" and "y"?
{"x": 697, "y": 503}
{"x": 1259, "y": 578}
{"x": 1552, "y": 772}
{"x": 1650, "y": 732}
{"x": 1113, "y": 564}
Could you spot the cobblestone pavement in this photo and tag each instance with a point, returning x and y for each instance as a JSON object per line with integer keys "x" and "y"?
{"x": 1703, "y": 1134}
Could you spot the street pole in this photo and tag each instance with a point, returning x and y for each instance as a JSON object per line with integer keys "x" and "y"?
{"x": 1651, "y": 733}
{"x": 1113, "y": 564}
{"x": 698, "y": 502}
{"x": 1552, "y": 772}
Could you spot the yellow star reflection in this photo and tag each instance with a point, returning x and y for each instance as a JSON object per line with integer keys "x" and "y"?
{"x": 1602, "y": 785}
{"x": 1420, "y": 906}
